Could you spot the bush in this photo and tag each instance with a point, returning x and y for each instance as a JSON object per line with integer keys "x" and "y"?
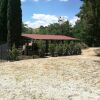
{"x": 78, "y": 49}
{"x": 35, "y": 56}
{"x": 41, "y": 52}
{"x": 52, "y": 50}
{"x": 64, "y": 49}
{"x": 41, "y": 49}
{"x": 59, "y": 50}
{"x": 72, "y": 49}
{"x": 13, "y": 54}
{"x": 82, "y": 45}
{"x": 67, "y": 51}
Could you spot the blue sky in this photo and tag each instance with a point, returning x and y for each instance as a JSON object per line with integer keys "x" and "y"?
{"x": 45, "y": 12}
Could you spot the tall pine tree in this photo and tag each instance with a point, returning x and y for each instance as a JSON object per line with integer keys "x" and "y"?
{"x": 3, "y": 20}
{"x": 14, "y": 19}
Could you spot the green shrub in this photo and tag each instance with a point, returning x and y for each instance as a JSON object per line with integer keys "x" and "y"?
{"x": 35, "y": 56}
{"x": 59, "y": 50}
{"x": 82, "y": 45}
{"x": 13, "y": 54}
{"x": 41, "y": 52}
{"x": 67, "y": 51}
{"x": 41, "y": 49}
{"x": 52, "y": 50}
{"x": 78, "y": 49}
{"x": 64, "y": 49}
{"x": 72, "y": 49}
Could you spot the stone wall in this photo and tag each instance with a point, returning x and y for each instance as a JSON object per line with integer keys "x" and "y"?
{"x": 3, "y": 51}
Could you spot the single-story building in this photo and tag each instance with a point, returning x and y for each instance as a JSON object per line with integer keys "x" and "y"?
{"x": 47, "y": 38}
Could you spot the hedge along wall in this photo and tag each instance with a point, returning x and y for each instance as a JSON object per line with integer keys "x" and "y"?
{"x": 4, "y": 51}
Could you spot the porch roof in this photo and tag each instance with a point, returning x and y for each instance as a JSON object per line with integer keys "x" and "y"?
{"x": 48, "y": 37}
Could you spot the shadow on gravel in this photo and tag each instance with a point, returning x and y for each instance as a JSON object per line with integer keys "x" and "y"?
{"x": 97, "y": 61}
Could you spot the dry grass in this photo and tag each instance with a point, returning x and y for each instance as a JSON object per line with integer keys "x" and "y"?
{"x": 59, "y": 78}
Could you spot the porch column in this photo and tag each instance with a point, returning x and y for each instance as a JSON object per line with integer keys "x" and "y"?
{"x": 47, "y": 46}
{"x": 27, "y": 48}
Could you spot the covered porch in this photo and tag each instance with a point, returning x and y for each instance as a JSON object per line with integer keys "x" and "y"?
{"x": 32, "y": 38}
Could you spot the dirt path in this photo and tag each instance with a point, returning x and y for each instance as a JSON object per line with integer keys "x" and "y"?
{"x": 89, "y": 51}
{"x": 59, "y": 78}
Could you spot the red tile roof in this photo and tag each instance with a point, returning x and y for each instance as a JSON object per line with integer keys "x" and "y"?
{"x": 47, "y": 37}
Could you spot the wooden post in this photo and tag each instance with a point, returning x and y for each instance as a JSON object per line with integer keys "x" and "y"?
{"x": 47, "y": 45}
{"x": 33, "y": 45}
{"x": 33, "y": 51}
{"x": 62, "y": 41}
{"x": 27, "y": 48}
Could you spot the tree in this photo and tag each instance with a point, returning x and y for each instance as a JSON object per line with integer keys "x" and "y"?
{"x": 66, "y": 29}
{"x": 54, "y": 29}
{"x": 79, "y": 32}
{"x": 14, "y": 19}
{"x": 26, "y": 29}
{"x": 89, "y": 15}
{"x": 42, "y": 30}
{"x": 3, "y": 20}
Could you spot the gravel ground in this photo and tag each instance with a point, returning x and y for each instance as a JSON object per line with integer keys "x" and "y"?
{"x": 58, "y": 78}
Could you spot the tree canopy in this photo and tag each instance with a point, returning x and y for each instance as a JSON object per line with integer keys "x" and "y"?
{"x": 10, "y": 21}
{"x": 90, "y": 22}
{"x": 3, "y": 20}
{"x": 14, "y": 19}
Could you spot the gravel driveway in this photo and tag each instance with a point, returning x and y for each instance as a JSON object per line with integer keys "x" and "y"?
{"x": 58, "y": 78}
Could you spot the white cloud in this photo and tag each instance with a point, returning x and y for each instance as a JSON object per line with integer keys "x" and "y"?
{"x": 64, "y": 0}
{"x": 36, "y": 24}
{"x": 23, "y": 0}
{"x": 42, "y": 20}
{"x": 73, "y": 20}
{"x": 46, "y": 19}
